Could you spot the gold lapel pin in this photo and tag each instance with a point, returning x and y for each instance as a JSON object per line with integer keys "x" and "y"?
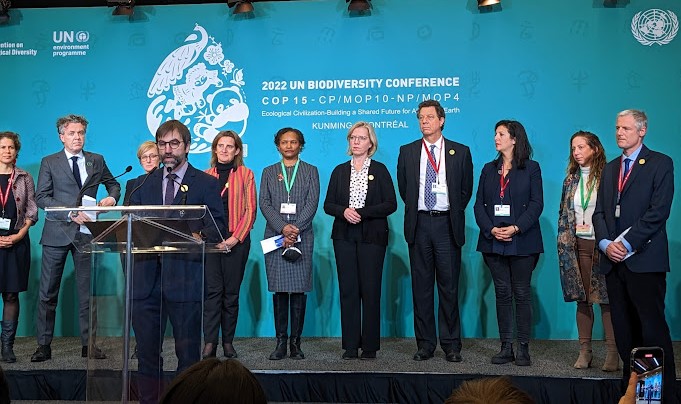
{"x": 451, "y": 152}
{"x": 642, "y": 161}
{"x": 371, "y": 177}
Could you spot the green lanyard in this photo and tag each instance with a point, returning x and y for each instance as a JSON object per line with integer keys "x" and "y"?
{"x": 585, "y": 203}
{"x": 287, "y": 184}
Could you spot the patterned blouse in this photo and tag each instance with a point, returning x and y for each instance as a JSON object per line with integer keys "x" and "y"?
{"x": 359, "y": 184}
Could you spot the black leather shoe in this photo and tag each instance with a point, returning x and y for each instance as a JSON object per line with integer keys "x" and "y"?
{"x": 505, "y": 355}
{"x": 95, "y": 354}
{"x": 43, "y": 353}
{"x": 209, "y": 351}
{"x": 522, "y": 357}
{"x": 422, "y": 355}
{"x": 350, "y": 354}
{"x": 228, "y": 350}
{"x": 452, "y": 355}
{"x": 368, "y": 355}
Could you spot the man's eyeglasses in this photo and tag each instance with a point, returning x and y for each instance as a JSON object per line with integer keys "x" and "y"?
{"x": 174, "y": 144}
{"x": 149, "y": 157}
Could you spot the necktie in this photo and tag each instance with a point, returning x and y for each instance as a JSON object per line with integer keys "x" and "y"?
{"x": 431, "y": 176}
{"x": 627, "y": 162}
{"x": 76, "y": 171}
{"x": 170, "y": 189}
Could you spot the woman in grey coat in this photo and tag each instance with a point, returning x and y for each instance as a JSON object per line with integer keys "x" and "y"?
{"x": 289, "y": 195}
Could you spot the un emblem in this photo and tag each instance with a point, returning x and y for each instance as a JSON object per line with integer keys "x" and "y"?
{"x": 654, "y": 26}
{"x": 198, "y": 86}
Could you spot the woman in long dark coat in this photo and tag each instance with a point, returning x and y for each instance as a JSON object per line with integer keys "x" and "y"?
{"x": 289, "y": 195}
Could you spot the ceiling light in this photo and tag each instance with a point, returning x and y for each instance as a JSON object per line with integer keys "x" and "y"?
{"x": 359, "y": 5}
{"x": 240, "y": 6}
{"x": 487, "y": 3}
{"x": 123, "y": 7}
{"x": 4, "y": 11}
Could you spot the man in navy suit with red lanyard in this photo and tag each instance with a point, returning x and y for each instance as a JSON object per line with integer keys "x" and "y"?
{"x": 635, "y": 196}
{"x": 435, "y": 180}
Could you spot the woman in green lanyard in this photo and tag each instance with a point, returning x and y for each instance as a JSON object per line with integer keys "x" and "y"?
{"x": 578, "y": 253}
{"x": 289, "y": 195}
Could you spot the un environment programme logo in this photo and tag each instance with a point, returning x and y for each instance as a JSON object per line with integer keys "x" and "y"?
{"x": 196, "y": 85}
{"x": 654, "y": 26}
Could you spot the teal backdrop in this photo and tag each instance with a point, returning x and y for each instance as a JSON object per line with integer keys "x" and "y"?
{"x": 557, "y": 67}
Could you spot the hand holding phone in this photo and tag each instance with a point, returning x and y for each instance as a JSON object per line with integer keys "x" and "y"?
{"x": 648, "y": 363}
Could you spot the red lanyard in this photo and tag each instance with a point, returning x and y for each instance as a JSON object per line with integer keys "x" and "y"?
{"x": 502, "y": 184}
{"x": 430, "y": 156}
{"x": 621, "y": 182}
{"x": 224, "y": 189}
{"x": 5, "y": 195}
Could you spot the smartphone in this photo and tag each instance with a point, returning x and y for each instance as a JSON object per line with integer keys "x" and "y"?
{"x": 648, "y": 363}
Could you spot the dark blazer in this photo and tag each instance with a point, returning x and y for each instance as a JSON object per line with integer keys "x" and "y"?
{"x": 180, "y": 283}
{"x": 380, "y": 203}
{"x": 645, "y": 205}
{"x": 459, "y": 166}
{"x": 57, "y": 188}
{"x": 525, "y": 195}
{"x": 129, "y": 186}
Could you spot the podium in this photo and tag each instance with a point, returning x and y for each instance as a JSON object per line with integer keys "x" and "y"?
{"x": 137, "y": 252}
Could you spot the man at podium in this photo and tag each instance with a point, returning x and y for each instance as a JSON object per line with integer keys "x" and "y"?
{"x": 169, "y": 286}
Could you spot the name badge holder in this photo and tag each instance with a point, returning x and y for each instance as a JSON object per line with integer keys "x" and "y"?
{"x": 502, "y": 210}
{"x": 287, "y": 208}
{"x": 621, "y": 182}
{"x": 584, "y": 230}
{"x": 436, "y": 187}
{"x": 4, "y": 222}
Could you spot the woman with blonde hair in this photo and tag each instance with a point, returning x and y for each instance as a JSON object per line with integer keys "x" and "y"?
{"x": 578, "y": 253}
{"x": 360, "y": 197}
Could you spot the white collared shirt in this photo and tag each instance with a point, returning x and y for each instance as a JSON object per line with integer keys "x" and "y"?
{"x": 441, "y": 200}
{"x": 81, "y": 164}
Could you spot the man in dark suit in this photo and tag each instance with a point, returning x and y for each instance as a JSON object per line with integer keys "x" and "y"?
{"x": 435, "y": 180}
{"x": 635, "y": 195}
{"x": 170, "y": 286}
{"x": 61, "y": 179}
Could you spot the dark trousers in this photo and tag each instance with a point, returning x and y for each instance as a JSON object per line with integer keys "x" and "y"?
{"x": 224, "y": 274}
{"x": 149, "y": 319}
{"x": 637, "y": 306}
{"x": 360, "y": 270}
{"x": 511, "y": 276}
{"x": 435, "y": 258}
{"x": 53, "y": 261}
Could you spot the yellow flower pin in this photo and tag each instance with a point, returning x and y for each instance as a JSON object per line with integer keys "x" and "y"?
{"x": 184, "y": 188}
{"x": 451, "y": 152}
{"x": 371, "y": 177}
{"x": 642, "y": 161}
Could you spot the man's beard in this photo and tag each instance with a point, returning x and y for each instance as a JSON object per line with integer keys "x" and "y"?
{"x": 176, "y": 161}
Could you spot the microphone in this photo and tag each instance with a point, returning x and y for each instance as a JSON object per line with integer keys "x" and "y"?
{"x": 82, "y": 190}
{"x": 126, "y": 202}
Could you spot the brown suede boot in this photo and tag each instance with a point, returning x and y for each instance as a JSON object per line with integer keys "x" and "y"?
{"x": 612, "y": 357}
{"x": 585, "y": 356}
{"x": 585, "y": 321}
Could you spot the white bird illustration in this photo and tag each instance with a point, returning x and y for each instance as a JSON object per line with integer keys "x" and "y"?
{"x": 176, "y": 62}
